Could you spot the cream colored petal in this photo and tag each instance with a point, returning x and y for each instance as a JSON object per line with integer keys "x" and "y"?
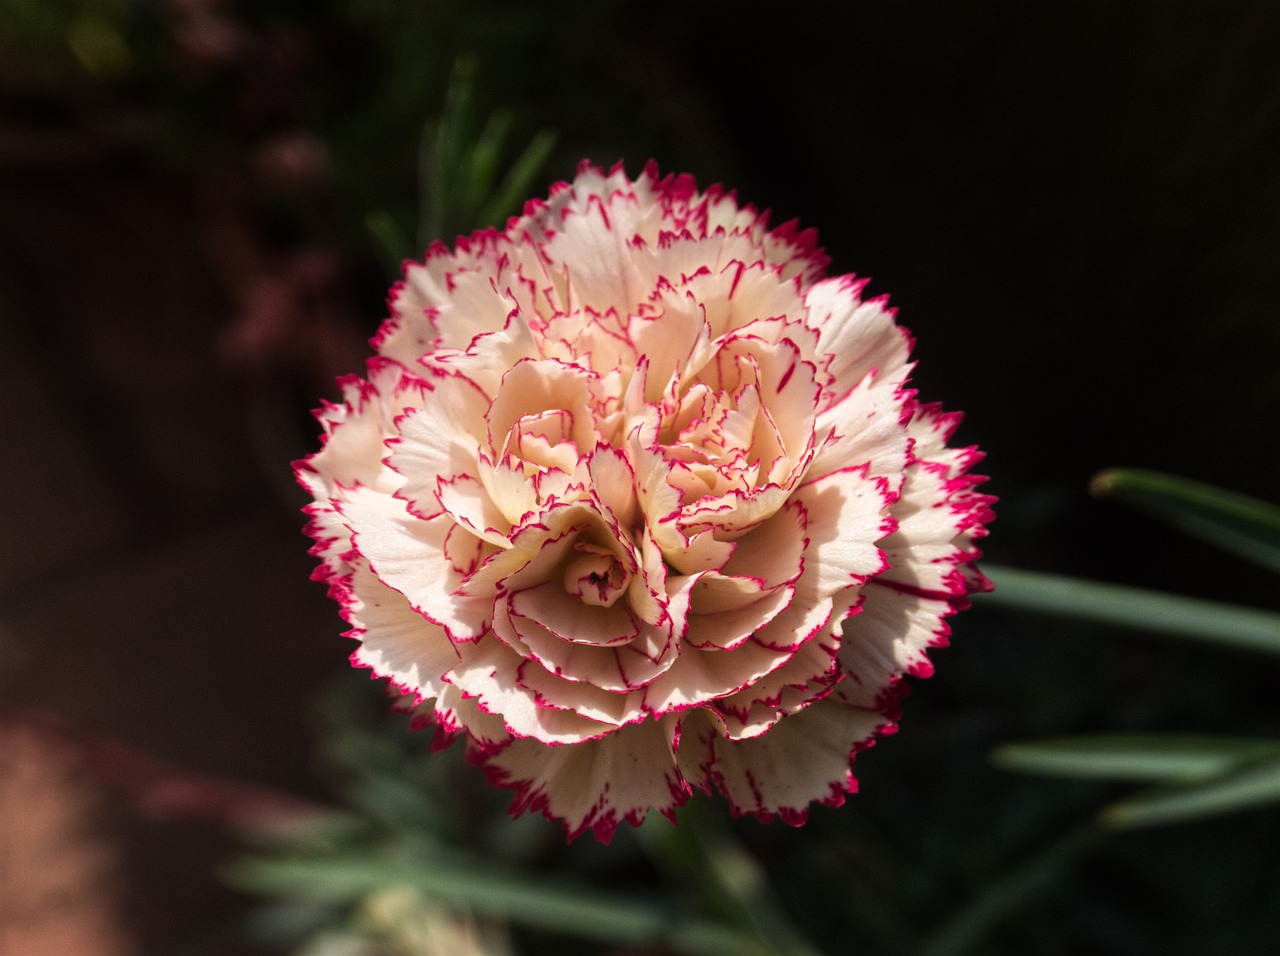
{"x": 407, "y": 554}
{"x": 804, "y": 759}
{"x": 489, "y": 673}
{"x": 596, "y": 785}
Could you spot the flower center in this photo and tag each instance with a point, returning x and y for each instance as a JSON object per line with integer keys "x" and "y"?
{"x": 595, "y": 575}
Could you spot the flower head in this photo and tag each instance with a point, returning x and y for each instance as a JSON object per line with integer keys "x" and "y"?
{"x": 636, "y": 500}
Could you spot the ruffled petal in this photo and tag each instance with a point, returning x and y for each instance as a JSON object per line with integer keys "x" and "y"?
{"x": 637, "y": 500}
{"x": 406, "y": 554}
{"x": 596, "y": 785}
{"x": 889, "y": 637}
{"x": 437, "y": 439}
{"x": 489, "y": 673}
{"x": 802, "y": 760}
{"x": 396, "y": 642}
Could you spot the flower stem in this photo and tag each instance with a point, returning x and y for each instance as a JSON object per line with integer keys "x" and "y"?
{"x": 702, "y": 857}
{"x": 1012, "y": 891}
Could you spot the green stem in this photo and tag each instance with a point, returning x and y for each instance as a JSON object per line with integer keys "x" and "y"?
{"x": 1012, "y": 891}
{"x": 701, "y": 856}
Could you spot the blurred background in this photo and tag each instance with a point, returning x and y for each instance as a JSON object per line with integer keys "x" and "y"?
{"x": 1075, "y": 207}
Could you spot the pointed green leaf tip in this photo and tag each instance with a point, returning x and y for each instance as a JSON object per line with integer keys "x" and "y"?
{"x": 1237, "y": 523}
{"x": 1245, "y": 786}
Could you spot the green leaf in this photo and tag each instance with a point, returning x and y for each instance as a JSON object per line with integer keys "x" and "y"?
{"x": 457, "y": 120}
{"x": 519, "y": 179}
{"x": 483, "y": 162}
{"x": 458, "y": 166}
{"x": 1244, "y": 786}
{"x": 1014, "y": 890}
{"x": 1229, "y": 625}
{"x": 1237, "y": 523}
{"x": 490, "y": 893}
{"x": 710, "y": 866}
{"x": 433, "y": 189}
{"x": 392, "y": 242}
{"x": 1133, "y": 756}
{"x": 442, "y": 158}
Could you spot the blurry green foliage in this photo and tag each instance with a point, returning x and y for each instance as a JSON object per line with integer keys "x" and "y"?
{"x": 431, "y": 827}
{"x": 1195, "y": 776}
{"x": 220, "y": 80}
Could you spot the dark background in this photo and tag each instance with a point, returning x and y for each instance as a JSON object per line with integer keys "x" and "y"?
{"x": 1075, "y": 207}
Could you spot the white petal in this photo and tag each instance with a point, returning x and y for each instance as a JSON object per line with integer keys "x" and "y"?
{"x": 860, "y": 337}
{"x": 618, "y": 667}
{"x": 773, "y": 553}
{"x": 476, "y": 303}
{"x": 805, "y": 758}
{"x": 938, "y": 518}
{"x": 467, "y": 502}
{"x": 808, "y": 675}
{"x": 595, "y": 785}
{"x": 438, "y": 440}
{"x": 846, "y": 517}
{"x": 727, "y": 629}
{"x": 699, "y": 676}
{"x": 357, "y": 429}
{"x": 865, "y": 427}
{"x": 531, "y": 387}
{"x": 741, "y": 293}
{"x": 675, "y": 340}
{"x": 408, "y": 554}
{"x": 594, "y": 250}
{"x": 396, "y": 641}
{"x": 489, "y": 672}
{"x": 547, "y": 609}
{"x": 887, "y": 638}
{"x": 490, "y": 355}
{"x": 580, "y": 697}
{"x": 613, "y": 484}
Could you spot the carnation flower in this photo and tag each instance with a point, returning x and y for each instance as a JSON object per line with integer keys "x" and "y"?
{"x": 636, "y": 500}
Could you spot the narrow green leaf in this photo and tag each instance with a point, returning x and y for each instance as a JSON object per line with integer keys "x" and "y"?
{"x": 520, "y": 177}
{"x": 391, "y": 242}
{"x": 483, "y": 163}
{"x": 702, "y": 857}
{"x": 1004, "y": 896}
{"x": 1234, "y": 522}
{"x": 1133, "y": 756}
{"x": 490, "y": 893}
{"x": 457, "y": 120}
{"x": 1252, "y": 784}
{"x": 433, "y": 189}
{"x": 1229, "y": 625}
{"x": 442, "y": 157}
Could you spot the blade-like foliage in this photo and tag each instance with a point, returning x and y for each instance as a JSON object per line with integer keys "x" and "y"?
{"x": 1247, "y": 785}
{"x": 488, "y": 892}
{"x": 1237, "y": 523}
{"x": 1144, "y": 757}
{"x": 1237, "y": 627}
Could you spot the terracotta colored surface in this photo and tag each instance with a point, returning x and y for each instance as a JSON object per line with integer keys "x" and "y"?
{"x": 153, "y": 579}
